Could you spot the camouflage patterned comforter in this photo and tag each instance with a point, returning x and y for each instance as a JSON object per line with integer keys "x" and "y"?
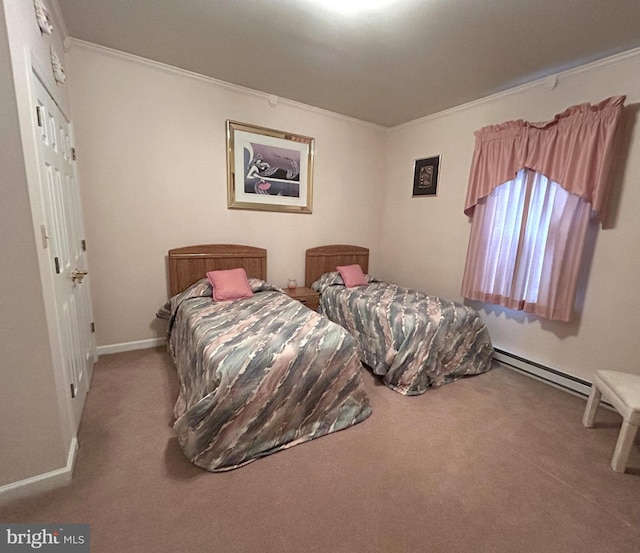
{"x": 258, "y": 375}
{"x": 412, "y": 340}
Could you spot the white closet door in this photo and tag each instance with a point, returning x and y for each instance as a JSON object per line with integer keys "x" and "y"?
{"x": 63, "y": 235}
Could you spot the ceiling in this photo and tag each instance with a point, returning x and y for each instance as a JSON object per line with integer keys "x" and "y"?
{"x": 385, "y": 66}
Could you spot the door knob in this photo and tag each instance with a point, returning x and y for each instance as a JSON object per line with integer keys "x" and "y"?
{"x": 78, "y": 275}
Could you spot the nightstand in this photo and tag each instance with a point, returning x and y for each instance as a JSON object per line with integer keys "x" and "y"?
{"x": 305, "y": 296}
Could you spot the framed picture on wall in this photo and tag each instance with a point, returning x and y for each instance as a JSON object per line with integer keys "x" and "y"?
{"x": 268, "y": 170}
{"x": 425, "y": 176}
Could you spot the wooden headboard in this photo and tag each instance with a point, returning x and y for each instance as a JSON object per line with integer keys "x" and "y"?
{"x": 191, "y": 263}
{"x": 325, "y": 259}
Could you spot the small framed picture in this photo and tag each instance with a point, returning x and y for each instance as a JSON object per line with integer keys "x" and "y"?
{"x": 425, "y": 176}
{"x": 268, "y": 170}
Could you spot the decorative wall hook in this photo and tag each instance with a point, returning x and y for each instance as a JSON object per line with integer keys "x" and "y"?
{"x": 551, "y": 82}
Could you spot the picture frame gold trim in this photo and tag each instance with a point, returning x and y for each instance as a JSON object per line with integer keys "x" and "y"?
{"x": 268, "y": 170}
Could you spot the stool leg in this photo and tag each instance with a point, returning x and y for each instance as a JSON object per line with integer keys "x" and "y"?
{"x": 623, "y": 446}
{"x": 592, "y": 406}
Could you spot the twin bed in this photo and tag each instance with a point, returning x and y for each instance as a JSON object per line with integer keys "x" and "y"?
{"x": 258, "y": 374}
{"x": 410, "y": 339}
{"x": 263, "y": 373}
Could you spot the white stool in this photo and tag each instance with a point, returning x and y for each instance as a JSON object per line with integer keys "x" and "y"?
{"x": 623, "y": 391}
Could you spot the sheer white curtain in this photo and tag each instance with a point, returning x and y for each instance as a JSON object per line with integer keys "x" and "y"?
{"x": 526, "y": 245}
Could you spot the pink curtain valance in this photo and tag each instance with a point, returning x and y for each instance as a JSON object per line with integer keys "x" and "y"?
{"x": 575, "y": 150}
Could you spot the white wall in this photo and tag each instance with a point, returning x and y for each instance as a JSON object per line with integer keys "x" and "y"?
{"x": 153, "y": 176}
{"x": 435, "y": 230}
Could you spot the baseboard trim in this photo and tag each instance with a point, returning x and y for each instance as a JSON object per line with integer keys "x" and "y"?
{"x": 131, "y": 346}
{"x": 42, "y": 482}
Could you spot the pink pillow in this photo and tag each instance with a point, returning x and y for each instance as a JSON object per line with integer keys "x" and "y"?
{"x": 230, "y": 284}
{"x": 352, "y": 275}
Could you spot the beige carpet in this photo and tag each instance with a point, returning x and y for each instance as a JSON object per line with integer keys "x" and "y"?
{"x": 494, "y": 463}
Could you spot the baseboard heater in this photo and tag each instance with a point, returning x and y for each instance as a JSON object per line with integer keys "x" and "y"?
{"x": 551, "y": 376}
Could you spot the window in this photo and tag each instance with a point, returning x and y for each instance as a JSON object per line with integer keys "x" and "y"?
{"x": 532, "y": 192}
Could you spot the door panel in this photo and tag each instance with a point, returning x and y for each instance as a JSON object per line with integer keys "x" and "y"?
{"x": 65, "y": 243}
